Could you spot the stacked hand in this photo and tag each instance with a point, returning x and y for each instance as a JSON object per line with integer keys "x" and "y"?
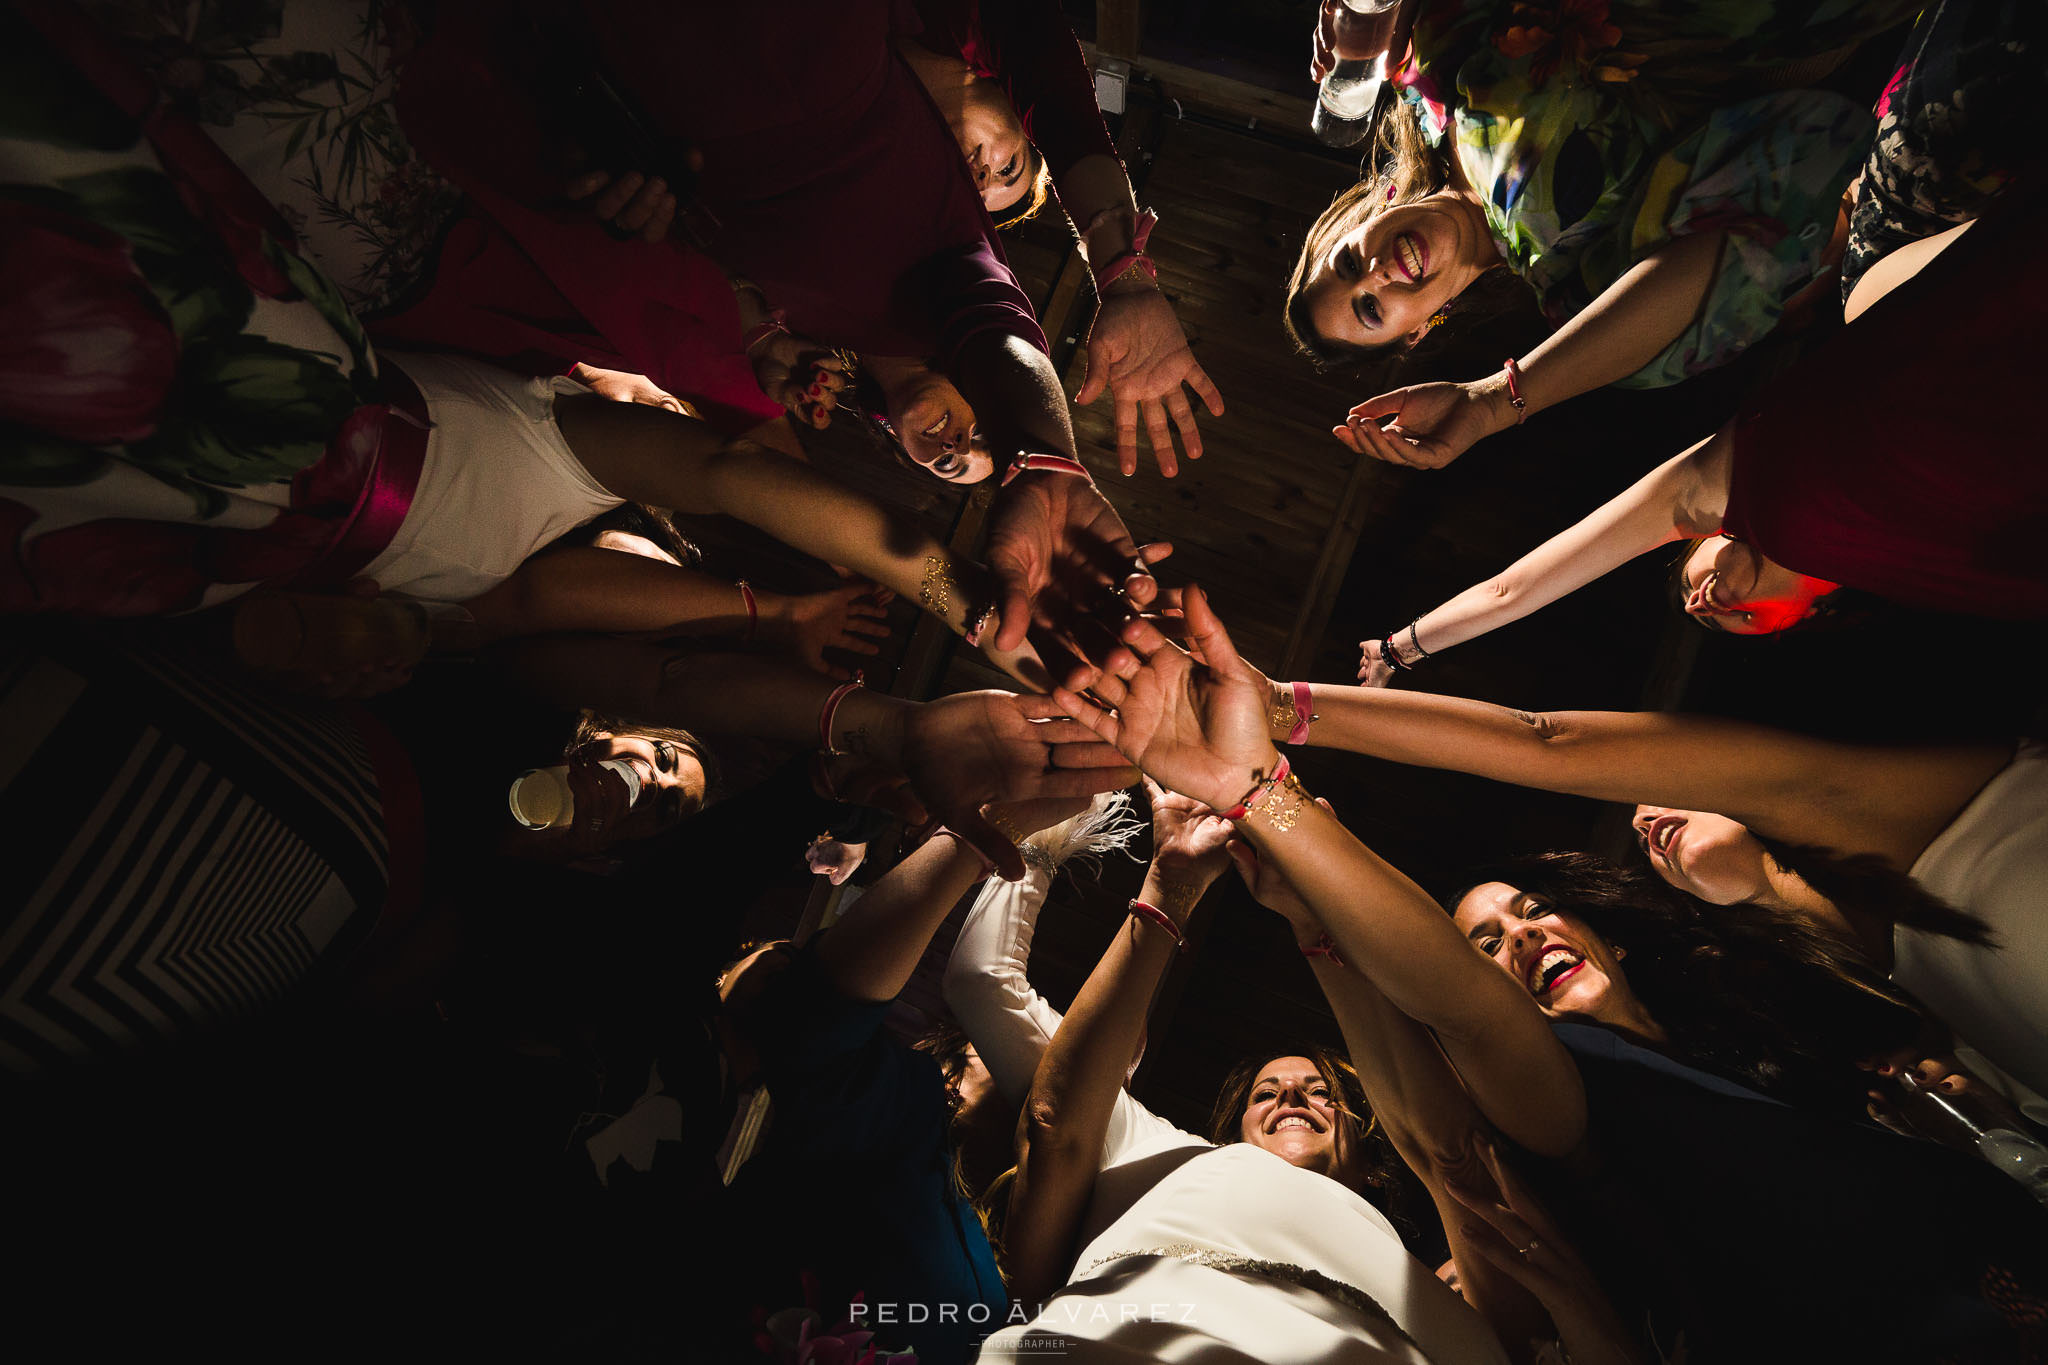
{"x": 630, "y": 205}
{"x": 849, "y": 617}
{"x": 967, "y": 750}
{"x": 1199, "y": 729}
{"x": 1432, "y": 424}
{"x": 1373, "y": 668}
{"x": 1187, "y": 836}
{"x": 1062, "y": 556}
{"x": 1137, "y": 350}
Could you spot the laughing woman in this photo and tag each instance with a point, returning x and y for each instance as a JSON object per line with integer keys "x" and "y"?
{"x": 1660, "y": 186}
{"x": 1689, "y": 1191}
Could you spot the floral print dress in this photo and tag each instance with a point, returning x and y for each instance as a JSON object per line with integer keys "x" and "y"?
{"x": 1597, "y": 132}
{"x": 187, "y": 405}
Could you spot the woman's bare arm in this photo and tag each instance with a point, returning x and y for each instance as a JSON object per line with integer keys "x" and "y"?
{"x": 1684, "y": 496}
{"x": 1066, "y": 1116}
{"x": 1854, "y": 798}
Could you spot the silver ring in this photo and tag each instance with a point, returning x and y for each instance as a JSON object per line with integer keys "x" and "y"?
{"x": 1529, "y": 1248}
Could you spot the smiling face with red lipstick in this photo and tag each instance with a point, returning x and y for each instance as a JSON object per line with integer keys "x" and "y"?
{"x": 1709, "y": 855}
{"x": 1568, "y": 970}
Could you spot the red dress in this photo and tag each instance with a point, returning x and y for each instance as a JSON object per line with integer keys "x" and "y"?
{"x": 1905, "y": 457}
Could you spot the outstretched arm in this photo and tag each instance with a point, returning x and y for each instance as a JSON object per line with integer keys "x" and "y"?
{"x": 1203, "y": 731}
{"x": 871, "y": 955}
{"x": 1621, "y": 331}
{"x": 1854, "y": 798}
{"x": 1684, "y": 496}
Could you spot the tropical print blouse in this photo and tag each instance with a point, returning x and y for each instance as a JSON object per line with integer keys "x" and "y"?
{"x": 1597, "y": 132}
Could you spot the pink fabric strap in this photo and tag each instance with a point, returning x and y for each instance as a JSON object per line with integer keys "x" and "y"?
{"x": 1115, "y": 268}
{"x": 1148, "y": 911}
{"x": 830, "y": 712}
{"x": 1050, "y": 464}
{"x": 387, "y": 488}
{"x": 1303, "y": 714}
{"x": 1259, "y": 789}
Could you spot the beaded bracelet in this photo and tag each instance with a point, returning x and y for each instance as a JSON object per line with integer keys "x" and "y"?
{"x": 1415, "y": 638}
{"x": 830, "y": 712}
{"x": 1390, "y": 656}
{"x": 1146, "y": 910}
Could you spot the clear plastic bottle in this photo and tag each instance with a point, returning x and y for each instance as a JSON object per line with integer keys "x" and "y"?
{"x": 2008, "y": 1150}
{"x": 1344, "y": 105}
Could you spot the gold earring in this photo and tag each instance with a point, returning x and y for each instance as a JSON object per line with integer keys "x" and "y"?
{"x": 1437, "y": 319}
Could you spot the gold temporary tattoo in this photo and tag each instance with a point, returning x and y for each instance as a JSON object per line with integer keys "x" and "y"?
{"x": 936, "y": 593}
{"x": 1282, "y": 718}
{"x": 1178, "y": 899}
{"x": 1284, "y": 806}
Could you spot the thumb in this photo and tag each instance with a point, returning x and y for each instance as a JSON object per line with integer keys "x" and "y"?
{"x": 1014, "y": 609}
{"x": 1206, "y": 634}
{"x": 1386, "y": 405}
{"x": 1093, "y": 382}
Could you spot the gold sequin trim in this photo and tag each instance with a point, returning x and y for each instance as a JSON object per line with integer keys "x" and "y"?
{"x": 1352, "y": 1297}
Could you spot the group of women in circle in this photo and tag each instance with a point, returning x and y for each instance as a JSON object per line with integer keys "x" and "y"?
{"x": 1631, "y": 1093}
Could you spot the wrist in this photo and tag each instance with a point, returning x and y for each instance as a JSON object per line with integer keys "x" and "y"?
{"x": 1497, "y": 400}
{"x": 1231, "y": 788}
{"x": 1176, "y": 885}
{"x": 773, "y": 618}
{"x": 1134, "y": 279}
{"x": 871, "y": 724}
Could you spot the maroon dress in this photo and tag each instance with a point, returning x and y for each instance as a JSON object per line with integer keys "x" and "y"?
{"x": 1905, "y": 456}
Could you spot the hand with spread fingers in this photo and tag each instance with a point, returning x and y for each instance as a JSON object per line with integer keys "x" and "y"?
{"x": 1138, "y": 352}
{"x": 849, "y": 617}
{"x": 1061, "y": 556}
{"x": 805, "y": 377}
{"x": 1199, "y": 729}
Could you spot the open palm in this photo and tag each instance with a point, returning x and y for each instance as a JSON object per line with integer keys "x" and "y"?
{"x": 1196, "y": 729}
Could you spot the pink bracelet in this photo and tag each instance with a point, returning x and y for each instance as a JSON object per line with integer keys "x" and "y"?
{"x": 1051, "y": 464}
{"x": 1259, "y": 789}
{"x": 1146, "y": 910}
{"x": 1324, "y": 947}
{"x": 1117, "y": 266}
{"x": 830, "y": 712}
{"x": 987, "y": 867}
{"x": 1515, "y": 399}
{"x": 753, "y": 608}
{"x": 762, "y": 330}
{"x": 1303, "y": 715}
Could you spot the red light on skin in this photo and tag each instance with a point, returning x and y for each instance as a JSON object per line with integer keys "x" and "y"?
{"x": 1732, "y": 586}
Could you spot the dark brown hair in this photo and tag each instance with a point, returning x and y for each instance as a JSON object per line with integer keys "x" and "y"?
{"x": 592, "y": 726}
{"x": 1747, "y": 990}
{"x": 1370, "y": 1150}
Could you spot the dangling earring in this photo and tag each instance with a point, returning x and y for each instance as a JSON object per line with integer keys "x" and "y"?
{"x": 1390, "y": 191}
{"x": 1437, "y": 319}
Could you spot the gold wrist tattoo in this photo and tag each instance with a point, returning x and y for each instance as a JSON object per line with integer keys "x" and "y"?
{"x": 936, "y": 592}
{"x": 1282, "y": 716}
{"x": 1178, "y": 899}
{"x": 1285, "y": 805}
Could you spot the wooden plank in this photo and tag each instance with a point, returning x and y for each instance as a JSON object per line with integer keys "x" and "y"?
{"x": 1118, "y": 24}
{"x": 1226, "y": 96}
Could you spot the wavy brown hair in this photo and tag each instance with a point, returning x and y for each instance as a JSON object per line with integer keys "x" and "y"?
{"x": 1496, "y": 309}
{"x": 1750, "y": 991}
{"x": 1372, "y": 1154}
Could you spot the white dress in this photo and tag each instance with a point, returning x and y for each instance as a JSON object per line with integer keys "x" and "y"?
{"x": 1192, "y": 1252}
{"x": 1992, "y": 861}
